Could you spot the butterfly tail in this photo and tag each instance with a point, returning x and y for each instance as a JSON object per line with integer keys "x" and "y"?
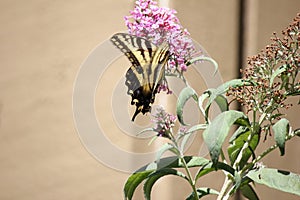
{"x": 137, "y": 111}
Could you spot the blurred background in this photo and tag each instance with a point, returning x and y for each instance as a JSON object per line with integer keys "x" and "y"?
{"x": 44, "y": 43}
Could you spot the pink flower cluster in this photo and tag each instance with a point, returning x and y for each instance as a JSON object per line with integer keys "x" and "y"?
{"x": 163, "y": 122}
{"x": 159, "y": 25}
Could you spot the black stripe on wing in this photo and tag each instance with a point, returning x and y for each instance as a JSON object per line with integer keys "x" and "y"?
{"x": 134, "y": 48}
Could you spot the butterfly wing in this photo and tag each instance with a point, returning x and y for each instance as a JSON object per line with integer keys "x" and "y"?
{"x": 146, "y": 73}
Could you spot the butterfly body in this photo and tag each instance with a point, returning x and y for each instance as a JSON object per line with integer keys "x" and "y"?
{"x": 146, "y": 74}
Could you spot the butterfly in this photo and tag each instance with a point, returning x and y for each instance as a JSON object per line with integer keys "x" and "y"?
{"x": 146, "y": 74}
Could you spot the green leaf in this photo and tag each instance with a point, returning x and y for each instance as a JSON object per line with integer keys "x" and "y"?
{"x": 193, "y": 161}
{"x": 238, "y": 143}
{"x": 237, "y": 133}
{"x": 201, "y": 192}
{"x": 201, "y": 100}
{"x": 205, "y": 170}
{"x": 133, "y": 181}
{"x": 204, "y": 58}
{"x": 189, "y": 133}
{"x": 225, "y": 87}
{"x": 175, "y": 162}
{"x": 277, "y": 179}
{"x": 281, "y": 129}
{"x": 216, "y": 132}
{"x": 146, "y": 130}
{"x": 165, "y": 148}
{"x": 209, "y": 168}
{"x": 285, "y": 81}
{"x": 222, "y": 103}
{"x": 197, "y": 128}
{"x": 156, "y": 170}
{"x": 184, "y": 96}
{"x": 277, "y": 72}
{"x": 169, "y": 162}
{"x": 297, "y": 132}
{"x": 157, "y": 175}
{"x": 205, "y": 109}
{"x": 232, "y": 83}
{"x": 166, "y": 162}
{"x": 217, "y": 94}
{"x": 249, "y": 192}
{"x": 243, "y": 122}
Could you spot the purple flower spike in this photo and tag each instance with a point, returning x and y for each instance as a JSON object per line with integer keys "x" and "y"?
{"x": 163, "y": 122}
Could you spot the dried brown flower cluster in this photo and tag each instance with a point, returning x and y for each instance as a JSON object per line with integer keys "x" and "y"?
{"x": 272, "y": 74}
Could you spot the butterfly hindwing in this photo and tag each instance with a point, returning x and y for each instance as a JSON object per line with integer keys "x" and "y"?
{"x": 144, "y": 77}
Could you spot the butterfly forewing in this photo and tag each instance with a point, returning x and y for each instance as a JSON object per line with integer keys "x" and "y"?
{"x": 146, "y": 73}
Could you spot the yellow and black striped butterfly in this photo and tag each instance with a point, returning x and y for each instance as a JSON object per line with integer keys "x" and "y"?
{"x": 146, "y": 74}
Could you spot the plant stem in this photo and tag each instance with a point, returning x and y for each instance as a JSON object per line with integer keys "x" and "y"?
{"x": 225, "y": 187}
{"x": 191, "y": 181}
{"x": 189, "y": 175}
{"x": 228, "y": 193}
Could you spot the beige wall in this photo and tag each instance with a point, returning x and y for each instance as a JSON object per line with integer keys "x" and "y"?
{"x": 43, "y": 44}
